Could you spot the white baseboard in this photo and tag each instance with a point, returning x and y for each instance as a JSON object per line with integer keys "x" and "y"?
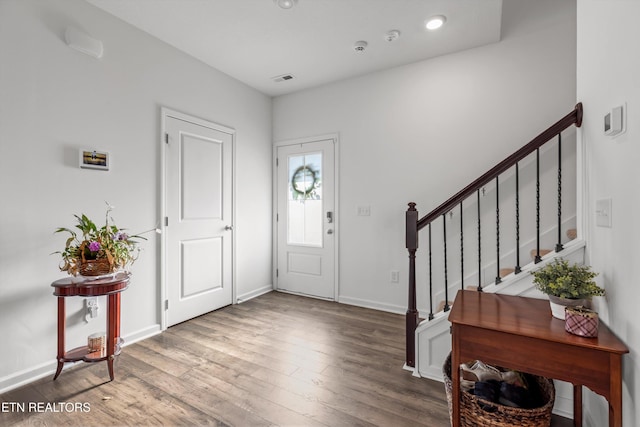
{"x": 142, "y": 334}
{"x": 253, "y": 294}
{"x": 27, "y": 376}
{"x": 396, "y": 309}
{"x": 564, "y": 399}
{"x": 34, "y": 373}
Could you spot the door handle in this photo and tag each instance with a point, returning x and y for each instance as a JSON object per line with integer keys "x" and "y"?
{"x": 228, "y": 227}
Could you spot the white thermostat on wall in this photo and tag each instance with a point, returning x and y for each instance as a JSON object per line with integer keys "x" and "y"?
{"x": 613, "y": 121}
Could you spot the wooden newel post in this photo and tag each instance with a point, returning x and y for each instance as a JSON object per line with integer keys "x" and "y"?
{"x": 412, "y": 311}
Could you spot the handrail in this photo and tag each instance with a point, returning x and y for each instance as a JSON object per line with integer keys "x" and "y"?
{"x": 574, "y": 117}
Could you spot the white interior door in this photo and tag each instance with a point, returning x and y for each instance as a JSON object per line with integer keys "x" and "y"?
{"x": 198, "y": 228}
{"x": 306, "y": 218}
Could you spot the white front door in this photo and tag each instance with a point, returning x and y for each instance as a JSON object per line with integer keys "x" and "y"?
{"x": 306, "y": 218}
{"x": 198, "y": 208}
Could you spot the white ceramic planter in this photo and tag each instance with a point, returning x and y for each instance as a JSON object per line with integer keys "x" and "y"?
{"x": 558, "y": 305}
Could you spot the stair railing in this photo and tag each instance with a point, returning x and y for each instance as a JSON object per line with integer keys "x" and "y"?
{"x": 414, "y": 224}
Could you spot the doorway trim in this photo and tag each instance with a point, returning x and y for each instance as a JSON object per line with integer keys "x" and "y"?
{"x": 298, "y": 141}
{"x": 164, "y": 114}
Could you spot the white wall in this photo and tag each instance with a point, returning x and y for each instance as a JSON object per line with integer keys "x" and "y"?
{"x": 54, "y": 100}
{"x": 423, "y": 131}
{"x": 608, "y": 67}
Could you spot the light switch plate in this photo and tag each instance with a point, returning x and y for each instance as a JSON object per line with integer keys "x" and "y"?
{"x": 603, "y": 213}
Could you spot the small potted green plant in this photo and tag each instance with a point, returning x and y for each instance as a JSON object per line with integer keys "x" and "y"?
{"x": 566, "y": 285}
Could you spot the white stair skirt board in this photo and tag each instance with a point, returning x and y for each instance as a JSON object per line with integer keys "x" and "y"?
{"x": 433, "y": 338}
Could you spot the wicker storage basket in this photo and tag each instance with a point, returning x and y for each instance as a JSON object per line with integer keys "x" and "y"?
{"x": 95, "y": 267}
{"x": 497, "y": 415}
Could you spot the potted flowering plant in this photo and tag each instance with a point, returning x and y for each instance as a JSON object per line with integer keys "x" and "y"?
{"x": 566, "y": 285}
{"x": 95, "y": 251}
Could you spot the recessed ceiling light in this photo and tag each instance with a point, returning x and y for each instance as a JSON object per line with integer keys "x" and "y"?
{"x": 286, "y": 4}
{"x": 435, "y": 22}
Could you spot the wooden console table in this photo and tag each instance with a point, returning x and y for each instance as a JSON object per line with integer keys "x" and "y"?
{"x": 520, "y": 333}
{"x": 110, "y": 286}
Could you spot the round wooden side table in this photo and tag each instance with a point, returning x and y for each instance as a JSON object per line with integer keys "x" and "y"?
{"x": 110, "y": 286}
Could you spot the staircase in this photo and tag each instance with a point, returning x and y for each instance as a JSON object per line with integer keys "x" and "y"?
{"x": 477, "y": 240}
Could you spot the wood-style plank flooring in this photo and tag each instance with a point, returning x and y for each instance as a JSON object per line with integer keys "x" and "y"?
{"x": 277, "y": 360}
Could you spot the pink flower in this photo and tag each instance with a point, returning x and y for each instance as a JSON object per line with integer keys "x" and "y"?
{"x": 94, "y": 246}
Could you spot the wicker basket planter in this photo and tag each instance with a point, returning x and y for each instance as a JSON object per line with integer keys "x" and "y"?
{"x": 95, "y": 267}
{"x": 495, "y": 414}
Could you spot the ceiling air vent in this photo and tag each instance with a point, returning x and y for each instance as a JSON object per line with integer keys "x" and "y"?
{"x": 282, "y": 78}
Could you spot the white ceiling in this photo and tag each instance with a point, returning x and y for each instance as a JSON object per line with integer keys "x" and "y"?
{"x": 254, "y": 40}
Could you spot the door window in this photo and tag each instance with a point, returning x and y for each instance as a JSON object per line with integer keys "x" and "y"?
{"x": 304, "y": 203}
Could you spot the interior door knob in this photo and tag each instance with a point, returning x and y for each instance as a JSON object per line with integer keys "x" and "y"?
{"x": 228, "y": 227}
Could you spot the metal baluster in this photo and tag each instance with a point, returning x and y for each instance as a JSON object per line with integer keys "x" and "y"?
{"x": 430, "y": 279}
{"x": 559, "y": 246}
{"x": 479, "y": 248}
{"x": 537, "y": 257}
{"x": 461, "y": 249}
{"x": 498, "y": 278}
{"x": 517, "y": 269}
{"x": 446, "y": 280}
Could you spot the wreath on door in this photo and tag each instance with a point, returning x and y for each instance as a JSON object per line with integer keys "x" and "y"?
{"x": 304, "y": 183}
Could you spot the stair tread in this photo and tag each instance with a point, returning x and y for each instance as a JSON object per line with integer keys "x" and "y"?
{"x": 441, "y": 306}
{"x": 543, "y": 252}
{"x": 506, "y": 271}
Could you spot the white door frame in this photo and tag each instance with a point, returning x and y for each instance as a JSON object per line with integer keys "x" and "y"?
{"x": 164, "y": 114}
{"x": 336, "y": 221}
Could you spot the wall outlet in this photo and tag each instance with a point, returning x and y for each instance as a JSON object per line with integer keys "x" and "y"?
{"x": 364, "y": 210}
{"x": 395, "y": 276}
{"x": 92, "y": 308}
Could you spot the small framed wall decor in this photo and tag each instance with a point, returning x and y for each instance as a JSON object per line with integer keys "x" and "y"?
{"x": 92, "y": 159}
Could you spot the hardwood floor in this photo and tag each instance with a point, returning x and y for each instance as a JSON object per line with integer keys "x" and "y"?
{"x": 275, "y": 360}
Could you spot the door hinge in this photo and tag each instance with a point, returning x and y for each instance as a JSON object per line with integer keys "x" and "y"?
{"x": 166, "y": 221}
{"x": 166, "y": 304}
{"x": 277, "y": 272}
{"x": 277, "y": 217}
{"x": 166, "y": 138}
{"x": 277, "y": 162}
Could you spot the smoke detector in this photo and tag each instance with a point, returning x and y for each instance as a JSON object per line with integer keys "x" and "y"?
{"x": 392, "y": 35}
{"x": 360, "y": 46}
